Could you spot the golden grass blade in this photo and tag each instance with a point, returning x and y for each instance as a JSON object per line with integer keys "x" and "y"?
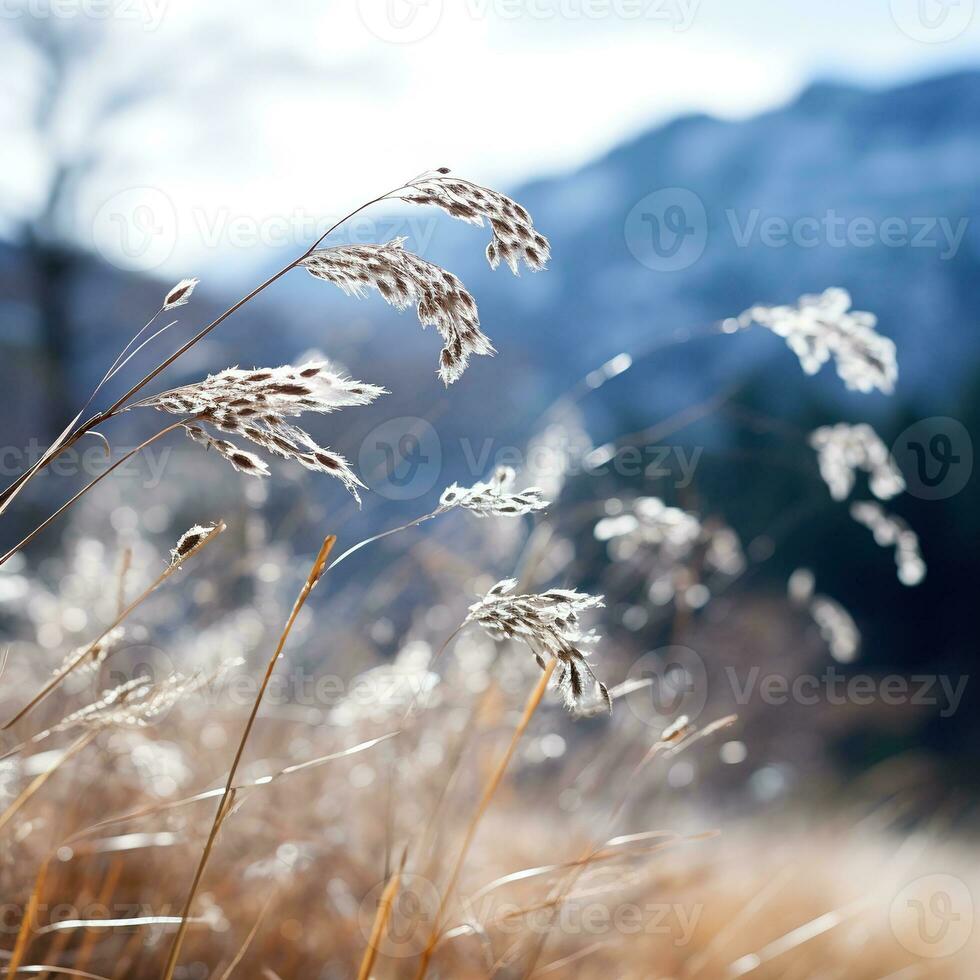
{"x": 570, "y": 959}
{"x": 104, "y": 897}
{"x": 211, "y": 794}
{"x": 176, "y": 564}
{"x": 613, "y": 849}
{"x": 726, "y": 933}
{"x": 319, "y": 566}
{"x": 8, "y": 495}
{"x": 125, "y": 923}
{"x": 488, "y": 793}
{"x": 43, "y": 777}
{"x": 252, "y": 933}
{"x": 64, "y": 971}
{"x": 30, "y": 913}
{"x": 385, "y": 904}
{"x": 796, "y": 937}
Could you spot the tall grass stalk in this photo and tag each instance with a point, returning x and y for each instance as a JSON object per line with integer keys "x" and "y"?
{"x": 493, "y": 783}
{"x": 319, "y": 566}
{"x": 385, "y": 905}
{"x": 58, "y": 677}
{"x": 71, "y": 435}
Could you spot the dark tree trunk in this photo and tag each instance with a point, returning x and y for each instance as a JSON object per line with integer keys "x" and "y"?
{"x": 54, "y": 269}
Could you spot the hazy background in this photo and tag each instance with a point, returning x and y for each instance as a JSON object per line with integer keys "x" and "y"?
{"x": 802, "y": 145}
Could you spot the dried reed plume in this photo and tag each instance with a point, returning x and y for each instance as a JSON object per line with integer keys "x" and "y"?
{"x": 514, "y": 237}
{"x": 836, "y": 625}
{"x": 822, "y": 326}
{"x": 548, "y": 623}
{"x": 180, "y": 295}
{"x": 495, "y": 497}
{"x": 88, "y": 658}
{"x": 139, "y": 702}
{"x": 889, "y": 530}
{"x": 190, "y": 540}
{"x": 844, "y": 449}
{"x": 403, "y": 278}
{"x": 255, "y": 405}
{"x": 673, "y": 549}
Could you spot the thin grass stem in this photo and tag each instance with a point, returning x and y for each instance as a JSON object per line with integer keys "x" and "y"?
{"x": 493, "y": 783}
{"x": 319, "y": 567}
{"x": 60, "y": 675}
{"x": 122, "y": 459}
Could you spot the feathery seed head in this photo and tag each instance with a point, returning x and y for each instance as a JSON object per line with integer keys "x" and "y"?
{"x": 890, "y": 530}
{"x": 513, "y": 236}
{"x": 548, "y": 623}
{"x": 189, "y": 540}
{"x": 139, "y": 702}
{"x": 844, "y": 449}
{"x": 180, "y": 294}
{"x": 836, "y": 625}
{"x": 403, "y": 278}
{"x": 255, "y": 405}
{"x": 822, "y": 326}
{"x": 676, "y": 548}
{"x": 93, "y": 654}
{"x": 494, "y": 497}
{"x": 677, "y": 730}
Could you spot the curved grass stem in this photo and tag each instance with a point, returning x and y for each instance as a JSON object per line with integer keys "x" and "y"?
{"x": 319, "y": 567}
{"x": 88, "y": 486}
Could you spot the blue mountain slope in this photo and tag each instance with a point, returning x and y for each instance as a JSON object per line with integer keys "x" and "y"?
{"x": 874, "y": 191}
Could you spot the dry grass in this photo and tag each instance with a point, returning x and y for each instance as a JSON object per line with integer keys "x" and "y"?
{"x": 297, "y": 876}
{"x": 418, "y": 822}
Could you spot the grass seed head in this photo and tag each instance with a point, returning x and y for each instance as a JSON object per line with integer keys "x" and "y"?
{"x": 180, "y": 294}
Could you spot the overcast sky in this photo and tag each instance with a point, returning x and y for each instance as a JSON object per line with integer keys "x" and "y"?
{"x": 322, "y": 104}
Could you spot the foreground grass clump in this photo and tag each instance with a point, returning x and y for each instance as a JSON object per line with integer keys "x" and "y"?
{"x": 464, "y": 796}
